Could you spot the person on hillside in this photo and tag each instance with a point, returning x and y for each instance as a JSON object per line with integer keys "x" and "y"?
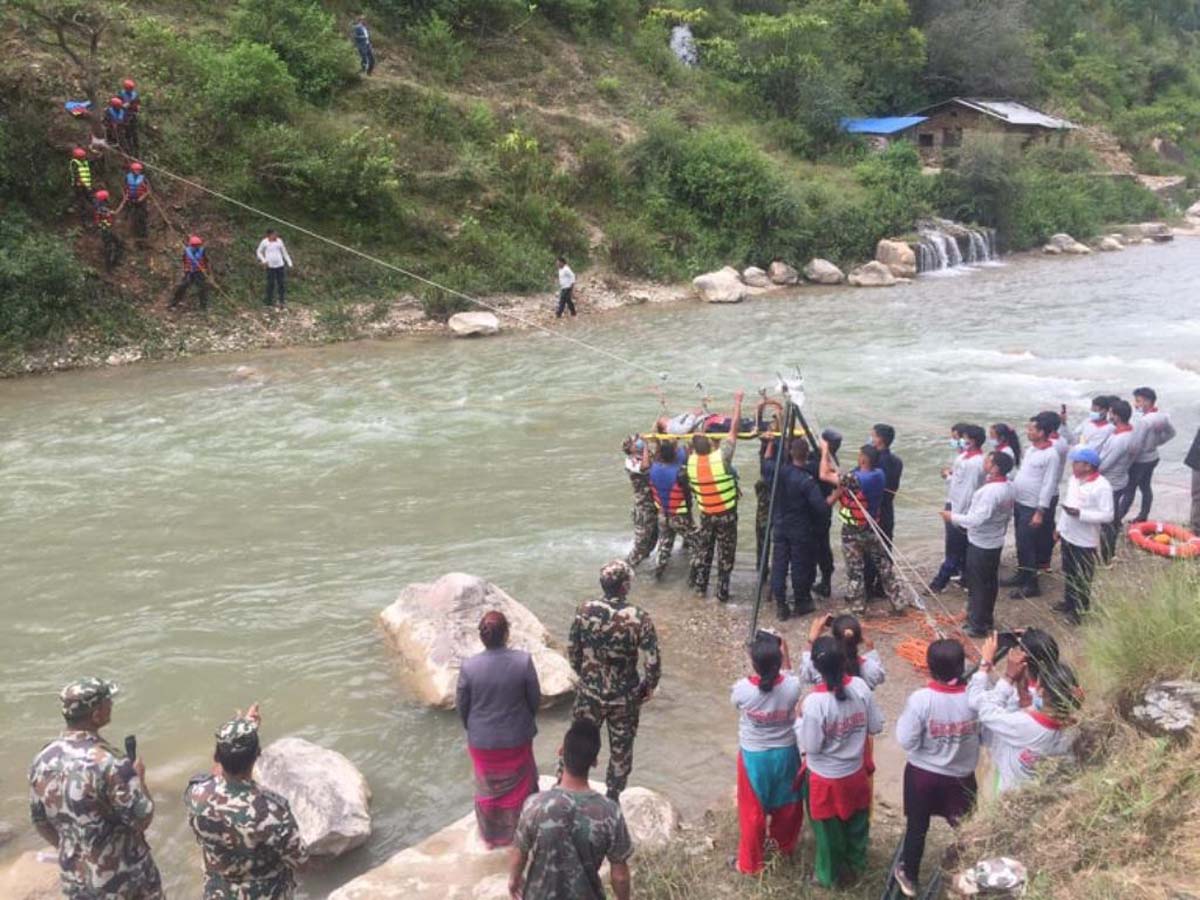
{"x": 713, "y": 483}
{"x": 939, "y": 731}
{"x": 195, "y": 271}
{"x": 607, "y": 637}
{"x": 362, "y": 43}
{"x": 1005, "y": 439}
{"x": 131, "y": 101}
{"x": 566, "y": 288}
{"x": 827, "y": 480}
{"x": 768, "y": 758}
{"x": 103, "y": 218}
{"x": 645, "y": 512}
{"x": 566, "y": 833}
{"x": 847, "y": 630}
{"x": 963, "y": 479}
{"x": 91, "y": 803}
{"x": 1036, "y": 485}
{"x": 1155, "y": 429}
{"x": 136, "y": 194}
{"x": 985, "y": 524}
{"x": 497, "y": 699}
{"x": 116, "y": 122}
{"x": 1192, "y": 461}
{"x": 1096, "y": 429}
{"x": 1116, "y": 459}
{"x": 882, "y": 437}
{"x": 860, "y": 494}
{"x": 81, "y": 184}
{"x": 1087, "y": 508}
{"x": 673, "y": 502}
{"x": 273, "y": 257}
{"x": 249, "y": 839}
{"x": 835, "y": 720}
{"x": 799, "y": 514}
{"x": 1021, "y": 741}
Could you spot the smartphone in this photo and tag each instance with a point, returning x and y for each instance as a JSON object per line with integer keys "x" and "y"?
{"x": 130, "y": 747}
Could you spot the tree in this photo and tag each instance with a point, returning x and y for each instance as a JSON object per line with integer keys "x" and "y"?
{"x": 73, "y": 28}
{"x": 980, "y": 47}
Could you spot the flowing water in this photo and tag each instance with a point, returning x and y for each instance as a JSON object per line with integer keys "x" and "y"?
{"x": 209, "y": 541}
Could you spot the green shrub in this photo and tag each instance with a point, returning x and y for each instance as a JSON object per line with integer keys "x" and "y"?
{"x": 47, "y": 292}
{"x": 439, "y": 48}
{"x": 598, "y": 177}
{"x": 634, "y": 249}
{"x": 248, "y": 81}
{"x": 304, "y": 36}
{"x": 609, "y": 86}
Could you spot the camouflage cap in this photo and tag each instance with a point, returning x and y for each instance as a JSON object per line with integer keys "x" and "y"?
{"x": 237, "y": 734}
{"x": 84, "y": 695}
{"x": 614, "y": 574}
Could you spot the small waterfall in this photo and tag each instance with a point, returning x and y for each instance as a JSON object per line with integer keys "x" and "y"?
{"x": 683, "y": 45}
{"x": 947, "y": 245}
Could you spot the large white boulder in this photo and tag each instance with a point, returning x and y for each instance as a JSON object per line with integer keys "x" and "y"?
{"x": 723, "y": 286}
{"x": 781, "y": 273}
{"x": 1111, "y": 244}
{"x": 755, "y": 277}
{"x": 329, "y": 796}
{"x": 469, "y": 324}
{"x": 1064, "y": 243}
{"x": 1168, "y": 709}
{"x": 822, "y": 271}
{"x": 31, "y": 876}
{"x": 436, "y": 626}
{"x": 872, "y": 274}
{"x": 455, "y": 864}
{"x": 898, "y": 256}
{"x": 1159, "y": 232}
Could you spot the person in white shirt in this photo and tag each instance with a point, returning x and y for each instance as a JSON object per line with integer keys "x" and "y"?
{"x": 986, "y": 524}
{"x": 1155, "y": 429}
{"x": 962, "y": 480}
{"x": 566, "y": 288}
{"x": 1036, "y": 484}
{"x": 273, "y": 256}
{"x": 1087, "y": 508}
{"x": 1095, "y": 431}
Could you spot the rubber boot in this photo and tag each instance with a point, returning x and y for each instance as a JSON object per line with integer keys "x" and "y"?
{"x": 824, "y": 587}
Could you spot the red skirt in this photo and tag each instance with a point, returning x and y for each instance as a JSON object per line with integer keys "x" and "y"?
{"x": 503, "y": 779}
{"x": 838, "y": 798}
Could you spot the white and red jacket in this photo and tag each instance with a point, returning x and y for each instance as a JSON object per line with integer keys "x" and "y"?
{"x": 940, "y": 730}
{"x": 1093, "y": 497}
{"x": 833, "y": 733}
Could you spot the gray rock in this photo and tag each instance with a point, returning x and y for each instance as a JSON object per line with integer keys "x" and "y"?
{"x": 898, "y": 256}
{"x": 723, "y": 286}
{"x": 999, "y": 877}
{"x": 1067, "y": 244}
{"x": 1111, "y": 244}
{"x": 822, "y": 271}
{"x": 781, "y": 273}
{"x": 470, "y": 324}
{"x": 755, "y": 277}
{"x": 329, "y": 796}
{"x": 1168, "y": 709}
{"x": 872, "y": 274}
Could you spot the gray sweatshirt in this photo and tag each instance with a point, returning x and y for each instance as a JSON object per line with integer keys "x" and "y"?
{"x": 1018, "y": 741}
{"x": 1037, "y": 479}
{"x": 1119, "y": 452}
{"x": 1092, "y": 433}
{"x": 833, "y": 734}
{"x": 870, "y": 669}
{"x": 767, "y": 718}
{"x": 989, "y": 515}
{"x": 965, "y": 478}
{"x": 940, "y": 730}
{"x": 1155, "y": 429}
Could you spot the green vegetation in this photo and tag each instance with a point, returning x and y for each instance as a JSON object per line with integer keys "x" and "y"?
{"x": 496, "y": 133}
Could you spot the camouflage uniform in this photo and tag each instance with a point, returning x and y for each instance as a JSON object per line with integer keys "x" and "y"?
{"x": 859, "y": 544}
{"x": 88, "y": 792}
{"x": 668, "y": 528}
{"x": 717, "y": 533}
{"x": 558, "y": 818}
{"x": 605, "y": 641}
{"x": 762, "y": 509}
{"x": 248, "y": 838}
{"x": 645, "y": 519}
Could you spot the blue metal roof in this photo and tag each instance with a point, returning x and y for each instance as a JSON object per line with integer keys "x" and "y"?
{"x": 888, "y": 125}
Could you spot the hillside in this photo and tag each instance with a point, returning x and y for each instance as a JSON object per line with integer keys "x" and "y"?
{"x": 496, "y": 133}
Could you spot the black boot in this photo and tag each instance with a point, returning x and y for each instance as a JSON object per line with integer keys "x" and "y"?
{"x": 823, "y": 588}
{"x": 783, "y": 611}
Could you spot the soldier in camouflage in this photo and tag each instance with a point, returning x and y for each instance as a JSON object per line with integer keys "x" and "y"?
{"x": 248, "y": 837}
{"x": 860, "y": 495}
{"x": 645, "y": 513}
{"x": 606, "y": 639}
{"x": 92, "y": 803}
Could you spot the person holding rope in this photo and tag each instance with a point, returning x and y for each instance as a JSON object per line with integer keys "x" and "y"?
{"x": 195, "y": 271}
{"x": 645, "y": 512}
{"x": 81, "y": 184}
{"x": 673, "y": 501}
{"x": 882, "y": 437}
{"x": 103, "y": 216}
{"x": 713, "y": 483}
{"x": 800, "y": 512}
{"x": 136, "y": 193}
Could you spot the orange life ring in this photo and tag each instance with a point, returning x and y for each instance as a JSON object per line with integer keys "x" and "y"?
{"x": 1148, "y": 535}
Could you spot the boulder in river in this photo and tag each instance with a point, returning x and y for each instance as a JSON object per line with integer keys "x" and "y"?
{"x": 469, "y": 324}
{"x": 1159, "y": 232}
{"x": 872, "y": 274}
{"x": 723, "y": 286}
{"x": 1168, "y": 709}
{"x": 1110, "y": 244}
{"x": 328, "y": 795}
{"x": 30, "y": 878}
{"x": 1064, "y": 243}
{"x": 898, "y": 256}
{"x": 455, "y": 864}
{"x": 755, "y": 277}
{"x": 436, "y": 626}
{"x": 781, "y": 273}
{"x": 822, "y": 271}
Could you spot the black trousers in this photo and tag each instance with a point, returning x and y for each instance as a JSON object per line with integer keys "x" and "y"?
{"x": 137, "y": 211}
{"x": 1079, "y": 567}
{"x": 565, "y": 301}
{"x": 1122, "y": 500}
{"x": 277, "y": 279}
{"x": 823, "y": 550}
{"x": 1028, "y": 537}
{"x": 366, "y": 56}
{"x": 955, "y": 554}
{"x": 1140, "y": 475}
{"x": 189, "y": 278}
{"x": 793, "y": 551}
{"x": 1045, "y": 536}
{"x": 982, "y": 576}
{"x": 113, "y": 248}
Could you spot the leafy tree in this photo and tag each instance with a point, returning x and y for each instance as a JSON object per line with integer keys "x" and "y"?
{"x": 980, "y": 47}
{"x": 304, "y": 36}
{"x": 883, "y": 49}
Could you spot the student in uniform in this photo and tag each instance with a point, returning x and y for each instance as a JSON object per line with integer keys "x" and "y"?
{"x": 1116, "y": 458}
{"x": 1005, "y": 440}
{"x": 985, "y": 524}
{"x": 962, "y": 480}
{"x": 1155, "y": 428}
{"x": 848, "y": 632}
{"x": 940, "y": 733}
{"x": 1095, "y": 431}
{"x": 1036, "y": 484}
{"x": 1087, "y": 508}
{"x": 835, "y": 720}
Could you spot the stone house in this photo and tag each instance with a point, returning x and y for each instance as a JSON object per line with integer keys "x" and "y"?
{"x": 944, "y": 124}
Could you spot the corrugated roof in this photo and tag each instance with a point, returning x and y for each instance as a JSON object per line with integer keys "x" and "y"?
{"x": 1011, "y": 111}
{"x": 889, "y": 125}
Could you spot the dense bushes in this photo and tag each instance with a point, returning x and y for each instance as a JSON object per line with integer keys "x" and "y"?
{"x": 304, "y": 36}
{"x": 45, "y": 289}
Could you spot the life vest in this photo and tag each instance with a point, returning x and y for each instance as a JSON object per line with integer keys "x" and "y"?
{"x": 193, "y": 259}
{"x": 712, "y": 482}
{"x": 135, "y": 186}
{"x": 853, "y": 509}
{"x": 669, "y": 495}
{"x": 115, "y": 116}
{"x": 81, "y": 173}
{"x": 131, "y": 99}
{"x": 103, "y": 216}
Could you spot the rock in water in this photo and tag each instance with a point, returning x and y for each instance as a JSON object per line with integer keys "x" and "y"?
{"x": 1169, "y": 709}
{"x": 1064, "y": 243}
{"x": 781, "y": 273}
{"x": 822, "y": 271}
{"x": 872, "y": 274}
{"x": 722, "y": 286}
{"x": 1159, "y": 232}
{"x": 455, "y": 864}
{"x": 1111, "y": 244}
{"x": 898, "y": 256}
{"x": 468, "y": 324}
{"x": 29, "y": 878}
{"x": 755, "y": 277}
{"x": 436, "y": 626}
{"x": 329, "y": 796}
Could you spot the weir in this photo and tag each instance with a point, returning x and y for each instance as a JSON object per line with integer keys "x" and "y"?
{"x": 948, "y": 245}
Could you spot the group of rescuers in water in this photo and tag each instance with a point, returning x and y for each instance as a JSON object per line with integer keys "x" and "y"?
{"x": 805, "y": 735}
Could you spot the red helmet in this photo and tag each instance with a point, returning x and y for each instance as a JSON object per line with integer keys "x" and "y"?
{"x": 102, "y": 196}
{"x": 196, "y": 241}
{"x": 129, "y": 84}
{"x": 135, "y": 167}
{"x": 116, "y": 102}
{"x": 79, "y": 153}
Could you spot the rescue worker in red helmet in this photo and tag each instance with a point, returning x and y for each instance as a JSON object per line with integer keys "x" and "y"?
{"x": 132, "y": 103}
{"x": 102, "y": 216}
{"x": 136, "y": 192}
{"x": 116, "y": 121}
{"x": 195, "y": 271}
{"x": 81, "y": 183}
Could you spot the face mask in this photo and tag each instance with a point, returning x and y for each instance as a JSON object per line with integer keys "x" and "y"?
{"x": 958, "y": 444}
{"x": 1097, "y": 416}
{"x": 1035, "y": 699}
{"x": 1138, "y": 413}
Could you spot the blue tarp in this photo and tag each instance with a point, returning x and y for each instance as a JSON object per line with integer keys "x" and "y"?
{"x": 889, "y": 125}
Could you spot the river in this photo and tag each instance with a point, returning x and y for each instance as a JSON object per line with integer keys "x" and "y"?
{"x": 208, "y": 541}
